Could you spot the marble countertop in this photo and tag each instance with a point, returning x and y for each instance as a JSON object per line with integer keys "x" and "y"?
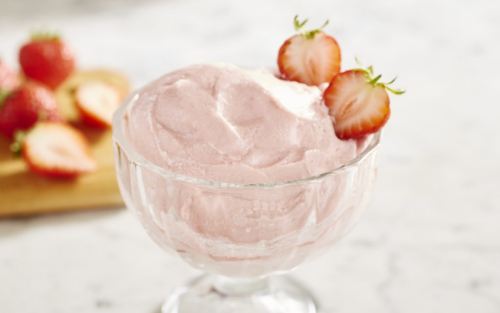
{"x": 430, "y": 240}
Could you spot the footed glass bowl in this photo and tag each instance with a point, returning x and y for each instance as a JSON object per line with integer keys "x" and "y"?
{"x": 242, "y": 235}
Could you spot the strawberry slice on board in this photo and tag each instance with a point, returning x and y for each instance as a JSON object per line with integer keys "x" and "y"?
{"x": 358, "y": 103}
{"x": 97, "y": 102}
{"x": 311, "y": 57}
{"x": 57, "y": 150}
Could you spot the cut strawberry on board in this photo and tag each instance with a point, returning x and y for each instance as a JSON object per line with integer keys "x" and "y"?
{"x": 57, "y": 150}
{"x": 358, "y": 103}
{"x": 97, "y": 102}
{"x": 311, "y": 57}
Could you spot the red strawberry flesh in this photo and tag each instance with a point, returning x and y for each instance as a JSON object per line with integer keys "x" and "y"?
{"x": 97, "y": 102}
{"x": 357, "y": 107}
{"x": 311, "y": 58}
{"x": 309, "y": 61}
{"x": 57, "y": 150}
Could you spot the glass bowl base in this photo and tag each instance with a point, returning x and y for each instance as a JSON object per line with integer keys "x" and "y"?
{"x": 218, "y": 294}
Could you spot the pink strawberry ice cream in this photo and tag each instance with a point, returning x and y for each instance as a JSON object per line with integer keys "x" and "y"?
{"x": 222, "y": 123}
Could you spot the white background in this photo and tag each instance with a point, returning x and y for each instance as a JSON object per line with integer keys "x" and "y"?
{"x": 430, "y": 240}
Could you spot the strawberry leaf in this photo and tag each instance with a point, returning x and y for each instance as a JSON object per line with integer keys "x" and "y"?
{"x": 17, "y": 144}
{"x": 392, "y": 81}
{"x": 375, "y": 81}
{"x": 4, "y": 94}
{"x": 395, "y": 91}
{"x": 309, "y": 34}
{"x": 44, "y": 36}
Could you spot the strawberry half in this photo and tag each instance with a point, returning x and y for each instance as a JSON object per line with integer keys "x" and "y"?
{"x": 311, "y": 57}
{"x": 97, "y": 102}
{"x": 358, "y": 103}
{"x": 47, "y": 59}
{"x": 57, "y": 150}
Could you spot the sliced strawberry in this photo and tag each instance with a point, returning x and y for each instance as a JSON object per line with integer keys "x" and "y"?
{"x": 57, "y": 150}
{"x": 312, "y": 57}
{"x": 97, "y": 102}
{"x": 357, "y": 103}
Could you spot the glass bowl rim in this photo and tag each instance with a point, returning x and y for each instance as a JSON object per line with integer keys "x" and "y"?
{"x": 138, "y": 160}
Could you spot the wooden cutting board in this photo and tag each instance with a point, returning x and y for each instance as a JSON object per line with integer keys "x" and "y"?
{"x": 22, "y": 192}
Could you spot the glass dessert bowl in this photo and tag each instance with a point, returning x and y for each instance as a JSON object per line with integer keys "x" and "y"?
{"x": 243, "y": 235}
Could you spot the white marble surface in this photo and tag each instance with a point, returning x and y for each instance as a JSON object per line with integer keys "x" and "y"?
{"x": 430, "y": 240}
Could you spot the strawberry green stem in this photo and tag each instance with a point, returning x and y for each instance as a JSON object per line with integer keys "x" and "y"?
{"x": 395, "y": 91}
{"x": 4, "y": 93}
{"x": 17, "y": 144}
{"x": 309, "y": 34}
{"x": 374, "y": 81}
{"x": 44, "y": 36}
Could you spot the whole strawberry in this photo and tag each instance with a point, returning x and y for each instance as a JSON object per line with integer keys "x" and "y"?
{"x": 311, "y": 57}
{"x": 8, "y": 78}
{"x": 47, "y": 59}
{"x": 22, "y": 108}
